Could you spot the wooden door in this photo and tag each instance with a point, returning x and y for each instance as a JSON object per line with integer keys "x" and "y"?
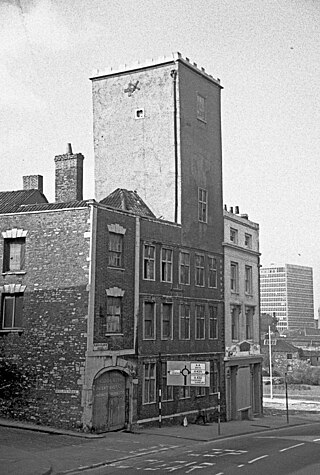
{"x": 109, "y": 401}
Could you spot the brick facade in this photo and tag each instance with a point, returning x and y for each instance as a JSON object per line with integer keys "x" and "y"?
{"x": 44, "y": 362}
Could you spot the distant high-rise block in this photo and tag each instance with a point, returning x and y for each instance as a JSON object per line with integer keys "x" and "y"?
{"x": 287, "y": 293}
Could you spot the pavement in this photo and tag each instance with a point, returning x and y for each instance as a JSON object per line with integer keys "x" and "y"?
{"x": 95, "y": 451}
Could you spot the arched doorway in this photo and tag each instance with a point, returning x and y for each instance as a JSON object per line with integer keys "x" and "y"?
{"x": 109, "y": 401}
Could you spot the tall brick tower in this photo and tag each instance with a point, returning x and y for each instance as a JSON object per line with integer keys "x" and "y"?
{"x": 157, "y": 130}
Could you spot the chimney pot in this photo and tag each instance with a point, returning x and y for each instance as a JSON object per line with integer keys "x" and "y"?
{"x": 69, "y": 148}
{"x": 231, "y": 209}
{"x": 237, "y": 209}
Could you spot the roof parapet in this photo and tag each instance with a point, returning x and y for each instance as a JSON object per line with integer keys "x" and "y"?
{"x": 150, "y": 63}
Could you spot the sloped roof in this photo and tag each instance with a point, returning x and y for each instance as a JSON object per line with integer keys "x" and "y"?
{"x": 128, "y": 201}
{"x": 10, "y": 201}
{"x": 53, "y": 206}
{"x": 284, "y": 346}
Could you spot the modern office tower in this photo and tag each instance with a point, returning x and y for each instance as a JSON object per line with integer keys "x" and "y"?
{"x": 287, "y": 293}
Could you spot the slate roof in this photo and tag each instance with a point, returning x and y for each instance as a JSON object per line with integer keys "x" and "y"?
{"x": 10, "y": 201}
{"x": 32, "y": 200}
{"x": 128, "y": 201}
{"x": 282, "y": 346}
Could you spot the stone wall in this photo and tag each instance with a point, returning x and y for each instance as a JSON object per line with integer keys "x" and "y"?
{"x": 43, "y": 364}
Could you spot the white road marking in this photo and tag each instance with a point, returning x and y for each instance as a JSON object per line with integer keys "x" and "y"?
{"x": 193, "y": 468}
{"x": 316, "y": 440}
{"x": 242, "y": 465}
{"x": 292, "y": 447}
{"x": 258, "y": 458}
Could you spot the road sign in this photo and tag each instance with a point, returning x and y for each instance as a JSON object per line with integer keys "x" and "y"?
{"x": 188, "y": 373}
{"x": 271, "y": 342}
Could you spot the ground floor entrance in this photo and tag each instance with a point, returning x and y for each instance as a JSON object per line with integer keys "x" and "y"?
{"x": 110, "y": 401}
{"x": 243, "y": 389}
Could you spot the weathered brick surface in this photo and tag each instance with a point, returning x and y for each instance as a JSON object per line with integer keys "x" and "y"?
{"x": 168, "y": 234}
{"x": 109, "y": 277}
{"x": 45, "y": 362}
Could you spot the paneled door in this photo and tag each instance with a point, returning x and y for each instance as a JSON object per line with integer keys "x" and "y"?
{"x": 109, "y": 401}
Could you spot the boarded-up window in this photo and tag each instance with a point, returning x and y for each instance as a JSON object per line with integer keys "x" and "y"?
{"x": 14, "y": 253}
{"x": 12, "y": 311}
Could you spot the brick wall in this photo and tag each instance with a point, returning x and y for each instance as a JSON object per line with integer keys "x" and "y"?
{"x": 44, "y": 363}
{"x": 110, "y": 277}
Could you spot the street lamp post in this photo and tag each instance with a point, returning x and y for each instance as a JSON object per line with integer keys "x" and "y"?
{"x": 288, "y": 370}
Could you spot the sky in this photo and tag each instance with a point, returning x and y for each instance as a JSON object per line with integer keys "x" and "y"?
{"x": 265, "y": 52}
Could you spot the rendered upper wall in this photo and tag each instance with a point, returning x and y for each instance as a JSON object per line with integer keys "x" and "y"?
{"x": 136, "y": 147}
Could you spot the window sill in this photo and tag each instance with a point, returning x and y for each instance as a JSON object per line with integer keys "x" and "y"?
{"x": 113, "y": 334}
{"x": 12, "y": 330}
{"x": 116, "y": 268}
{"x": 17, "y": 272}
{"x": 149, "y": 280}
{"x": 200, "y": 285}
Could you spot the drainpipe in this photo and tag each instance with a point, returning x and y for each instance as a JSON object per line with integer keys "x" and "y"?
{"x": 173, "y": 74}
{"x": 87, "y": 381}
{"x": 92, "y": 273}
{"x": 136, "y": 283}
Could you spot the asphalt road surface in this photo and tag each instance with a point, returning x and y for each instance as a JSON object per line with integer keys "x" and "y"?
{"x": 294, "y": 450}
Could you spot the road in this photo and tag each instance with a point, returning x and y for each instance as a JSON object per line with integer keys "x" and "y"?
{"x": 290, "y": 450}
{"x": 294, "y": 450}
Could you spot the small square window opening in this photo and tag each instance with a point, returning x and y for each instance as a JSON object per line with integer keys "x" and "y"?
{"x": 139, "y": 114}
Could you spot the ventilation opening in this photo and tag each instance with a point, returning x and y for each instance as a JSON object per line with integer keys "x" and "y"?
{"x": 139, "y": 113}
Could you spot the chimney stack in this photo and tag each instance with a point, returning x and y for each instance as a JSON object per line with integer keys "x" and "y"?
{"x": 69, "y": 176}
{"x": 33, "y": 182}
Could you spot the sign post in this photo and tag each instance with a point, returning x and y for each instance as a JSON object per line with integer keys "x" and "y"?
{"x": 192, "y": 373}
